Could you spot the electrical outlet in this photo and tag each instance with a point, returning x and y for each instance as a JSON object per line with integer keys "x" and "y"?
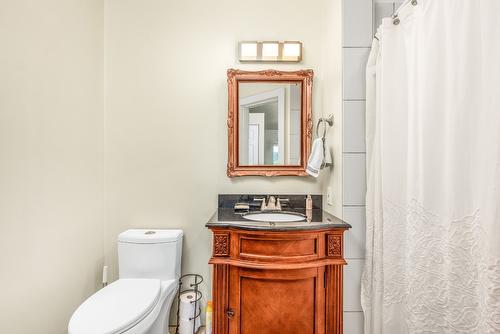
{"x": 329, "y": 196}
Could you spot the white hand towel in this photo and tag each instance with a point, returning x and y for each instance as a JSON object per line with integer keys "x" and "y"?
{"x": 316, "y": 158}
{"x": 328, "y": 157}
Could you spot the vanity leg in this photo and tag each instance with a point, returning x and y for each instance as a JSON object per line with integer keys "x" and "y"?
{"x": 220, "y": 298}
{"x": 334, "y": 298}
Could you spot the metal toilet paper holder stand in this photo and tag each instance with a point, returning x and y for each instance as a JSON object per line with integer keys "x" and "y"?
{"x": 193, "y": 287}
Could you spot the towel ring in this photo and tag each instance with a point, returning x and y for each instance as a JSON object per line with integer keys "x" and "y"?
{"x": 328, "y": 121}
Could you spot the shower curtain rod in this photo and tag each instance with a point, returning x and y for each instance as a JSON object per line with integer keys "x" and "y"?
{"x": 395, "y": 17}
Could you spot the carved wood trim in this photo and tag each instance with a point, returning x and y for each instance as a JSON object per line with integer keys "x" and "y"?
{"x": 334, "y": 299}
{"x": 235, "y": 75}
{"x": 220, "y": 289}
{"x": 221, "y": 245}
{"x": 265, "y": 265}
{"x": 334, "y": 245}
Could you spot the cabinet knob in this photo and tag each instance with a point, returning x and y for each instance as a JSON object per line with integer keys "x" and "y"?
{"x": 230, "y": 313}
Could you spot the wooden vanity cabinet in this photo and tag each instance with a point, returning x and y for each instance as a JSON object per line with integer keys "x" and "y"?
{"x": 268, "y": 282}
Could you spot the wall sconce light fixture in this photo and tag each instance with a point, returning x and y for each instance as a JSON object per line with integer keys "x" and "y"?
{"x": 270, "y": 51}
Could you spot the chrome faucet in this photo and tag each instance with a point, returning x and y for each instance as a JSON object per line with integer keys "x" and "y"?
{"x": 273, "y": 204}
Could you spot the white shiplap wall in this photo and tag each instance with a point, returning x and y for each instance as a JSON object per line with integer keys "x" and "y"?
{"x": 360, "y": 20}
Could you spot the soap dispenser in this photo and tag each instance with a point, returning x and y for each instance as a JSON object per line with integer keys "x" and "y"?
{"x": 309, "y": 202}
{"x": 309, "y": 206}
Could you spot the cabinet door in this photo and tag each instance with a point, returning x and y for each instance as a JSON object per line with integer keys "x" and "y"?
{"x": 276, "y": 301}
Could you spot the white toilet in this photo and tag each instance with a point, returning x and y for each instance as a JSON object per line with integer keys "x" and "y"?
{"x": 139, "y": 301}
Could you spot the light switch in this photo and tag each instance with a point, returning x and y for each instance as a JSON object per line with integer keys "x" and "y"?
{"x": 329, "y": 195}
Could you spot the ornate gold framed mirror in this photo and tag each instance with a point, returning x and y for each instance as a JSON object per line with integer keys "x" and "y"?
{"x": 269, "y": 122}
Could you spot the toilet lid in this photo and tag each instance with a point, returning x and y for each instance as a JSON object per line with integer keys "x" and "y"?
{"x": 116, "y": 308}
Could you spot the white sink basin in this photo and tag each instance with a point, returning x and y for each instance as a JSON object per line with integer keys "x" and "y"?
{"x": 274, "y": 216}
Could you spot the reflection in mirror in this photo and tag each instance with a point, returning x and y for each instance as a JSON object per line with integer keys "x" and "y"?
{"x": 269, "y": 118}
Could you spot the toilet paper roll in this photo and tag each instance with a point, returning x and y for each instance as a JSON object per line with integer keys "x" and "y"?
{"x": 186, "y": 326}
{"x": 186, "y": 307}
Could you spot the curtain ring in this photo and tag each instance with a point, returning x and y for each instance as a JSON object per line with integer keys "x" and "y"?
{"x": 414, "y": 2}
{"x": 396, "y": 20}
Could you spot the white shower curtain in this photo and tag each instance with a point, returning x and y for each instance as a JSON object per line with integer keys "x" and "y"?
{"x": 433, "y": 171}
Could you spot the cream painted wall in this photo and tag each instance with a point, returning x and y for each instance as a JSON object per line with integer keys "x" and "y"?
{"x": 51, "y": 161}
{"x": 166, "y": 107}
{"x": 332, "y": 101}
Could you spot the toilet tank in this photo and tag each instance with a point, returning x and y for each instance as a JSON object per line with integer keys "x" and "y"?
{"x": 150, "y": 254}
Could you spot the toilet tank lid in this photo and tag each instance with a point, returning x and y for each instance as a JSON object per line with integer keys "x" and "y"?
{"x": 149, "y": 236}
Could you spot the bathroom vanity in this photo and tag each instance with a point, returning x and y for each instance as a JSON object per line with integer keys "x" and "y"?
{"x": 277, "y": 277}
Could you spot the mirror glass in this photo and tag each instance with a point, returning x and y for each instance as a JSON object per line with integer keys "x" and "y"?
{"x": 269, "y": 123}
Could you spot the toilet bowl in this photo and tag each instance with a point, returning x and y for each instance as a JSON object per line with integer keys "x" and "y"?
{"x": 139, "y": 301}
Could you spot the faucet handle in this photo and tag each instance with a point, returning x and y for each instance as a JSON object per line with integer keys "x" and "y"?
{"x": 280, "y": 201}
{"x": 263, "y": 205}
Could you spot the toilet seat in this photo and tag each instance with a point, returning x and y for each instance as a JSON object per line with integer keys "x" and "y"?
{"x": 117, "y": 307}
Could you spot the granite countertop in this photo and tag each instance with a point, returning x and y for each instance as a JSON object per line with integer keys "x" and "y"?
{"x": 226, "y": 217}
